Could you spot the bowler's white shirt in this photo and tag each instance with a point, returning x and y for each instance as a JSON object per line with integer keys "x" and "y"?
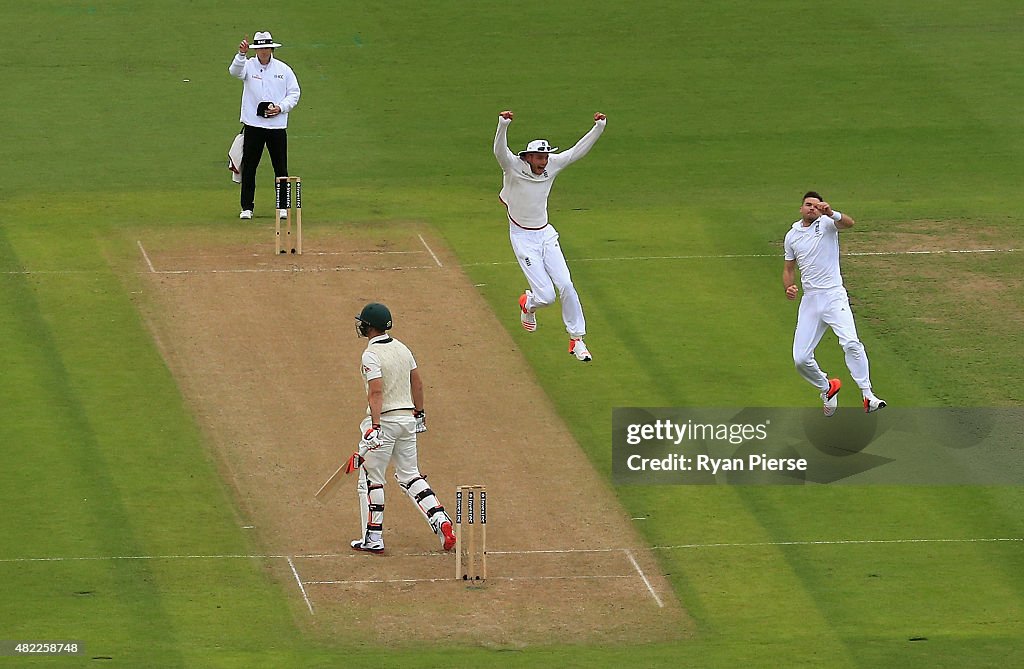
{"x": 815, "y": 249}
{"x": 524, "y": 193}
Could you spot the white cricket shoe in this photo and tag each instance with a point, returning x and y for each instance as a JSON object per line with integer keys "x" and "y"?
{"x": 873, "y": 404}
{"x": 527, "y": 318}
{"x": 368, "y": 545}
{"x": 579, "y": 349}
{"x": 246, "y": 214}
{"x": 283, "y": 213}
{"x": 830, "y": 398}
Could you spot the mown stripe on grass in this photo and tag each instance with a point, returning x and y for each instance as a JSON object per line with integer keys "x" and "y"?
{"x": 66, "y": 433}
{"x": 889, "y": 591}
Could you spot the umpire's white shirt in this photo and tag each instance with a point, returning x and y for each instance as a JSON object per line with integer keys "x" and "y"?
{"x": 524, "y": 193}
{"x": 815, "y": 249}
{"x": 391, "y": 360}
{"x": 274, "y": 82}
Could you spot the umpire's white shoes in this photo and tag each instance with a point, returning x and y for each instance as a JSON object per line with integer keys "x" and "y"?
{"x": 579, "y": 349}
{"x": 368, "y": 545}
{"x": 527, "y": 318}
{"x": 873, "y": 404}
{"x": 830, "y": 397}
{"x": 246, "y": 214}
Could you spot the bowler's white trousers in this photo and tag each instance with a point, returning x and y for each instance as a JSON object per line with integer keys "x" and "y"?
{"x": 828, "y": 309}
{"x": 541, "y": 260}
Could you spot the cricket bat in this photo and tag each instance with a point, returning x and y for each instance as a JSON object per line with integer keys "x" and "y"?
{"x": 328, "y": 487}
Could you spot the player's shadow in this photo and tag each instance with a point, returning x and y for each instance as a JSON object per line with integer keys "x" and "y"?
{"x": 846, "y": 433}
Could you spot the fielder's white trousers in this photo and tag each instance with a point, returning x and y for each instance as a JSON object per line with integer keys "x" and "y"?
{"x": 541, "y": 260}
{"x": 399, "y": 436}
{"x": 828, "y": 309}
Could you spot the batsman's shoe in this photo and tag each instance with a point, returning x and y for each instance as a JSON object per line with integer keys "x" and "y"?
{"x": 579, "y": 349}
{"x": 830, "y": 398}
{"x": 873, "y": 404}
{"x": 447, "y": 536}
{"x": 246, "y": 214}
{"x": 283, "y": 213}
{"x": 527, "y": 318}
{"x": 366, "y": 545}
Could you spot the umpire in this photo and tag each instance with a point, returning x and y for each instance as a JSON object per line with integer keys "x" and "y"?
{"x": 269, "y": 91}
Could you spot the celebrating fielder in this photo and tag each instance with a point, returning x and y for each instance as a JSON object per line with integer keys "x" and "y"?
{"x": 527, "y": 182}
{"x": 394, "y": 415}
{"x": 812, "y": 245}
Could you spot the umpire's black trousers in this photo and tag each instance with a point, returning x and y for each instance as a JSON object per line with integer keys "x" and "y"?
{"x": 254, "y": 139}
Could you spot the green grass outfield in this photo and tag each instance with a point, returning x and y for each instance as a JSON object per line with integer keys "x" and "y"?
{"x": 720, "y": 115}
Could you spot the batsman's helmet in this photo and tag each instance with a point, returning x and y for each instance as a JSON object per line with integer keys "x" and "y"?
{"x": 374, "y": 315}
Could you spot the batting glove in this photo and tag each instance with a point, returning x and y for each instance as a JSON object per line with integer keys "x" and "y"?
{"x": 354, "y": 463}
{"x": 371, "y": 439}
{"x": 421, "y": 420}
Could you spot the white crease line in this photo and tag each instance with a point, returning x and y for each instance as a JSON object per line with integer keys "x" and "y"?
{"x": 491, "y": 578}
{"x": 640, "y": 571}
{"x": 839, "y": 542}
{"x": 308, "y": 556}
{"x": 53, "y": 271}
{"x": 429, "y": 250}
{"x": 494, "y": 264}
{"x": 557, "y": 550}
{"x": 146, "y": 256}
{"x": 729, "y": 256}
{"x": 143, "y": 557}
{"x": 925, "y": 253}
{"x": 293, "y": 270}
{"x": 383, "y": 580}
{"x": 192, "y": 256}
{"x": 301, "y": 587}
{"x": 315, "y": 556}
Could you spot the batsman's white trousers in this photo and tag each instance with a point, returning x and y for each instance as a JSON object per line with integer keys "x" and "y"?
{"x": 399, "y": 436}
{"x": 828, "y": 309}
{"x": 541, "y": 260}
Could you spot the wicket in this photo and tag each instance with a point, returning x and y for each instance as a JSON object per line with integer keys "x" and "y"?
{"x": 466, "y": 539}
{"x": 293, "y": 212}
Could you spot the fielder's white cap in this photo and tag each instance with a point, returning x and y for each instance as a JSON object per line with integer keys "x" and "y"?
{"x": 538, "y": 146}
{"x": 263, "y": 40}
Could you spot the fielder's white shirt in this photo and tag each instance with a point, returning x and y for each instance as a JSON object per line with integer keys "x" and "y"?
{"x": 274, "y": 82}
{"x": 815, "y": 249}
{"x": 524, "y": 193}
{"x": 386, "y": 357}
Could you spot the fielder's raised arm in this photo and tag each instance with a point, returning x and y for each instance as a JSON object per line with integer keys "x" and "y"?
{"x": 582, "y": 147}
{"x": 505, "y": 157}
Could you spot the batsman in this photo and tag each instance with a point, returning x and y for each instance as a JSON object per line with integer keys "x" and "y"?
{"x": 394, "y": 416}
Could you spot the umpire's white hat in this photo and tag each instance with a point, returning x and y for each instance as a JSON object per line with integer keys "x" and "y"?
{"x": 538, "y": 146}
{"x": 263, "y": 40}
